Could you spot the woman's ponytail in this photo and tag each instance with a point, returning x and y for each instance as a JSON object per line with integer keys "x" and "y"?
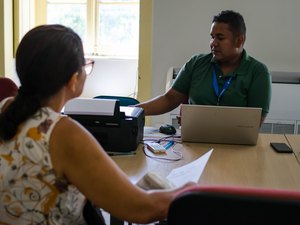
{"x": 16, "y": 113}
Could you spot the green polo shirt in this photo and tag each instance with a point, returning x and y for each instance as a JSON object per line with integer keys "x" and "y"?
{"x": 249, "y": 87}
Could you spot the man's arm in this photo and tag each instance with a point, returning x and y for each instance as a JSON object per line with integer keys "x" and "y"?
{"x": 262, "y": 120}
{"x": 163, "y": 103}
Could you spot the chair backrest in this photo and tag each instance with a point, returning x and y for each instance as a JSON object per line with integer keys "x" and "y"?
{"x": 124, "y": 101}
{"x": 7, "y": 88}
{"x": 235, "y": 206}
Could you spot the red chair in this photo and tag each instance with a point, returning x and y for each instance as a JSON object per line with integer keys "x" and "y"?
{"x": 235, "y": 206}
{"x": 7, "y": 88}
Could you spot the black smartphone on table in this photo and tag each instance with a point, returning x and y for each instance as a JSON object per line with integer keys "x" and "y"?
{"x": 281, "y": 147}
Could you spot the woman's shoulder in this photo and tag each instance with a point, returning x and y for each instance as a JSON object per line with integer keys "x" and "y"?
{"x": 69, "y": 131}
{"x": 5, "y": 102}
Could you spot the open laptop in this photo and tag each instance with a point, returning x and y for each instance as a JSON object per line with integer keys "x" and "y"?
{"x": 220, "y": 124}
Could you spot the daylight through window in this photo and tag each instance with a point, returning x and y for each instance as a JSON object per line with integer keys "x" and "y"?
{"x": 107, "y": 27}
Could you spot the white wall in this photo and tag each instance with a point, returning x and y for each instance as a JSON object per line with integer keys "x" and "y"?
{"x": 112, "y": 77}
{"x": 181, "y": 29}
{"x": 109, "y": 77}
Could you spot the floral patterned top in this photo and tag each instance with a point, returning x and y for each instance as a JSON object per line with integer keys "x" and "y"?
{"x": 30, "y": 192}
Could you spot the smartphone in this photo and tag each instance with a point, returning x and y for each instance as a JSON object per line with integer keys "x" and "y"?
{"x": 281, "y": 147}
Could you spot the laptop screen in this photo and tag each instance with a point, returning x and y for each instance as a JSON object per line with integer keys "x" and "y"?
{"x": 220, "y": 124}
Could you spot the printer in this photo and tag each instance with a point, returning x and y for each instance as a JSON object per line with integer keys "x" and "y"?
{"x": 117, "y": 129}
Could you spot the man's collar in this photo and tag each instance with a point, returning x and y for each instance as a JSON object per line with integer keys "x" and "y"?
{"x": 241, "y": 69}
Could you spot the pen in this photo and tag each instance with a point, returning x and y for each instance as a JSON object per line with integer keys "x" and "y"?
{"x": 169, "y": 145}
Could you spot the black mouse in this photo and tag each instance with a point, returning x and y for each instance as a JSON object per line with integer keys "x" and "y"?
{"x": 167, "y": 129}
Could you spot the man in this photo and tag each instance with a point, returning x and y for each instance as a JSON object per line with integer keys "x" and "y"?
{"x": 227, "y": 76}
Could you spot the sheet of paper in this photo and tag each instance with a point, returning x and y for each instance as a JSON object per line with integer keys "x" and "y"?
{"x": 86, "y": 106}
{"x": 189, "y": 172}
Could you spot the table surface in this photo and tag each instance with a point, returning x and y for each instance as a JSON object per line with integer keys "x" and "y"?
{"x": 294, "y": 142}
{"x": 233, "y": 165}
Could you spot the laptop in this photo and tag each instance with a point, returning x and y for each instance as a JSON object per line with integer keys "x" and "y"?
{"x": 220, "y": 124}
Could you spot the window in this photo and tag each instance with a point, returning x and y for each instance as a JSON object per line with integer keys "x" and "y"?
{"x": 107, "y": 27}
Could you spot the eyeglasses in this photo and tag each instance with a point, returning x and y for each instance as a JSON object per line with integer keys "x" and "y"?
{"x": 89, "y": 65}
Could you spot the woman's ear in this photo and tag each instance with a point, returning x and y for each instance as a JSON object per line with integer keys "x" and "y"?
{"x": 72, "y": 83}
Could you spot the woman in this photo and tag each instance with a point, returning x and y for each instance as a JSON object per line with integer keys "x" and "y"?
{"x": 49, "y": 164}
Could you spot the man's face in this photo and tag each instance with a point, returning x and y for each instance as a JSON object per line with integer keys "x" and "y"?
{"x": 224, "y": 46}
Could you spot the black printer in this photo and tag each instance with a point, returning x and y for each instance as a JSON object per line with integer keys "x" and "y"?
{"x": 118, "y": 129}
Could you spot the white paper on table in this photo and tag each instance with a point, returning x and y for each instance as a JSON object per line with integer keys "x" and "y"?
{"x": 189, "y": 172}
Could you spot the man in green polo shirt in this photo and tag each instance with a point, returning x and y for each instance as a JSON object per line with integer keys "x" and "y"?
{"x": 227, "y": 76}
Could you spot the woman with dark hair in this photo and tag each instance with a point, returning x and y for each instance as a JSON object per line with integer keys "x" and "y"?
{"x": 49, "y": 164}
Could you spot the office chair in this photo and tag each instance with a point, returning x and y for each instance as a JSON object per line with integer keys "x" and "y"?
{"x": 235, "y": 206}
{"x": 8, "y": 88}
{"x": 124, "y": 101}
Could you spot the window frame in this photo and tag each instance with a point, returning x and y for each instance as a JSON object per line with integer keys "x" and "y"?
{"x": 92, "y": 22}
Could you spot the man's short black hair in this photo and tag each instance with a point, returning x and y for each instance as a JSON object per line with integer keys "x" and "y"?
{"x": 234, "y": 19}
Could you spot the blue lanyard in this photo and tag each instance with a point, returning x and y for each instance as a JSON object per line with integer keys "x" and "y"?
{"x": 216, "y": 87}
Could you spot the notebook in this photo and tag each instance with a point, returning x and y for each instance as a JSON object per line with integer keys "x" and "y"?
{"x": 220, "y": 124}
